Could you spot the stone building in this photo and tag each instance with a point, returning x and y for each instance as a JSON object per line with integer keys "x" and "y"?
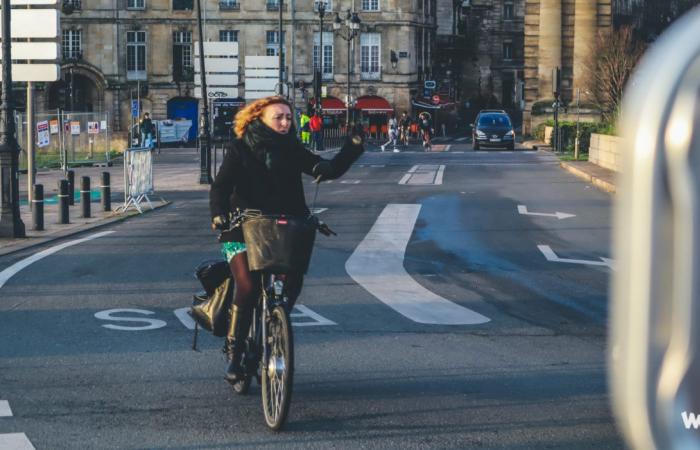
{"x": 559, "y": 33}
{"x": 114, "y": 50}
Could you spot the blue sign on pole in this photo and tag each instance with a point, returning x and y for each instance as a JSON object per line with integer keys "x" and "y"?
{"x": 135, "y": 108}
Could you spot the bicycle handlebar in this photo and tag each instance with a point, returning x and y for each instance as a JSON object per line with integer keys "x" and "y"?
{"x": 236, "y": 219}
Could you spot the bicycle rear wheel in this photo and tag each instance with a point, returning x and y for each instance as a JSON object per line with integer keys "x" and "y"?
{"x": 277, "y": 379}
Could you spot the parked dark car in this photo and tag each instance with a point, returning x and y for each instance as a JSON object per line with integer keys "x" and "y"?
{"x": 493, "y": 128}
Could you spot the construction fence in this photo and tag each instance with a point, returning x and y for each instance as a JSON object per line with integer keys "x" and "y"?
{"x": 65, "y": 139}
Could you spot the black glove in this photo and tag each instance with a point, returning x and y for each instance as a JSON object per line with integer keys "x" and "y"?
{"x": 219, "y": 222}
{"x": 322, "y": 171}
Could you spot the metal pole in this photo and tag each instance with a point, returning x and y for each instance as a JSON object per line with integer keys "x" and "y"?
{"x": 578, "y": 119}
{"x": 204, "y": 149}
{"x": 348, "y": 101}
{"x": 293, "y": 79}
{"x": 30, "y": 144}
{"x": 11, "y": 224}
{"x": 280, "y": 49}
{"x": 38, "y": 209}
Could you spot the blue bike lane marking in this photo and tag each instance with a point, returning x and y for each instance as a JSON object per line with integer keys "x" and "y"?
{"x": 377, "y": 265}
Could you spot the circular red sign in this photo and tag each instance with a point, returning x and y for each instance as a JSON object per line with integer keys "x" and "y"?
{"x": 436, "y": 99}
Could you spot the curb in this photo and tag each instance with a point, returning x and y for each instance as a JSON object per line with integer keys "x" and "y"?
{"x": 595, "y": 181}
{"x": 24, "y": 245}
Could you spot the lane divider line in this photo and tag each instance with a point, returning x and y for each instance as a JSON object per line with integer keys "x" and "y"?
{"x": 8, "y": 273}
{"x": 5, "y": 410}
{"x": 377, "y": 265}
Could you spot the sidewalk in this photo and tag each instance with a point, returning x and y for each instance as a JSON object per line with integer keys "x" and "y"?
{"x": 600, "y": 177}
{"x": 175, "y": 170}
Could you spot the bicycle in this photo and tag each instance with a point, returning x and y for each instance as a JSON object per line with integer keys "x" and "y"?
{"x": 425, "y": 135}
{"x": 268, "y": 354}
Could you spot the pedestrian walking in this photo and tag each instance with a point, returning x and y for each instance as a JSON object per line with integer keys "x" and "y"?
{"x": 316, "y": 125}
{"x": 404, "y": 128}
{"x": 147, "y": 131}
{"x": 393, "y": 135}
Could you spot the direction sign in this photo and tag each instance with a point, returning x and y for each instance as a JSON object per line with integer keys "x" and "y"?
{"x": 262, "y": 74}
{"x": 429, "y": 84}
{"x": 37, "y": 51}
{"x": 221, "y": 67}
{"x": 34, "y": 72}
{"x": 32, "y": 2}
{"x": 217, "y": 92}
{"x": 34, "y": 23}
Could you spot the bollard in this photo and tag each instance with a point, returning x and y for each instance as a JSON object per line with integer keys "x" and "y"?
{"x": 106, "y": 198}
{"x": 38, "y": 208}
{"x": 85, "y": 197}
{"x": 63, "y": 201}
{"x": 71, "y": 187}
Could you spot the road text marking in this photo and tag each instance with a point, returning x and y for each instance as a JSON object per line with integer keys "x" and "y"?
{"x": 313, "y": 318}
{"x": 153, "y": 324}
{"x": 522, "y": 209}
{"x": 551, "y": 256}
{"x": 8, "y": 273}
{"x": 377, "y": 265}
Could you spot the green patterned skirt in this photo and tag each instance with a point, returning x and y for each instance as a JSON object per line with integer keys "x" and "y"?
{"x": 231, "y": 249}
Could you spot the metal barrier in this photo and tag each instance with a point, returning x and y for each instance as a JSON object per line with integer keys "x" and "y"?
{"x": 138, "y": 178}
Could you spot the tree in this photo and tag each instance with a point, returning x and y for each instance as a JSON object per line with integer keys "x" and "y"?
{"x": 614, "y": 58}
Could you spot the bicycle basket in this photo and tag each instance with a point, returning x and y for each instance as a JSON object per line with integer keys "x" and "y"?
{"x": 279, "y": 244}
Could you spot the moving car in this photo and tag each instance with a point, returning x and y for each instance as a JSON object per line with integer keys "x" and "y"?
{"x": 493, "y": 128}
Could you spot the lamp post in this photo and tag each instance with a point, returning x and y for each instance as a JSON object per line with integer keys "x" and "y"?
{"x": 11, "y": 224}
{"x": 348, "y": 33}
{"x": 204, "y": 148}
{"x": 280, "y": 41}
{"x": 319, "y": 85}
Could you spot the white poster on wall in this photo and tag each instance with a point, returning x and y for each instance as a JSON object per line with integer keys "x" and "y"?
{"x": 42, "y": 133}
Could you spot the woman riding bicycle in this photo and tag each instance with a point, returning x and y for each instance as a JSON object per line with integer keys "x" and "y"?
{"x": 263, "y": 171}
{"x": 425, "y": 128}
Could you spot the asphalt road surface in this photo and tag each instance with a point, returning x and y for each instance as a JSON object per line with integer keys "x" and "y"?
{"x": 454, "y": 310}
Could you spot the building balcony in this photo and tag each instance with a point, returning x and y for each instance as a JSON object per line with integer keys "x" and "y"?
{"x": 275, "y": 6}
{"x": 229, "y": 6}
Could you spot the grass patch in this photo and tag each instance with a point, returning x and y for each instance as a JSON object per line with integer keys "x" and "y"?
{"x": 569, "y": 156}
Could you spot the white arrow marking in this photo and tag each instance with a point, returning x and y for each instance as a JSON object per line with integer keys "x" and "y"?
{"x": 377, "y": 265}
{"x": 318, "y": 210}
{"x": 5, "y": 410}
{"x": 8, "y": 273}
{"x": 551, "y": 256}
{"x": 522, "y": 209}
{"x": 305, "y": 312}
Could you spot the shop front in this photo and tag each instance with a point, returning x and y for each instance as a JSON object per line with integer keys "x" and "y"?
{"x": 375, "y": 112}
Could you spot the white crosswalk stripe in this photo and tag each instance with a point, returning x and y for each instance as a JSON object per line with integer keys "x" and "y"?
{"x": 12, "y": 441}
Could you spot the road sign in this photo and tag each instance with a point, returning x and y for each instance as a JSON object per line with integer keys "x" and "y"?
{"x": 32, "y": 2}
{"x": 217, "y": 92}
{"x": 221, "y": 67}
{"x": 429, "y": 84}
{"x": 34, "y": 23}
{"x": 262, "y": 74}
{"x": 34, "y": 72}
{"x": 34, "y": 51}
{"x": 135, "y": 108}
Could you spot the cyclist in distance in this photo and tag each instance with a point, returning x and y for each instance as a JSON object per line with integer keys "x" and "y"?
{"x": 425, "y": 128}
{"x": 263, "y": 171}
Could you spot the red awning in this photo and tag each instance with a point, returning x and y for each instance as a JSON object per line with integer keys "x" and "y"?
{"x": 330, "y": 105}
{"x": 374, "y": 104}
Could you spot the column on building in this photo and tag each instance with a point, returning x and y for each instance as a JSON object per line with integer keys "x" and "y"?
{"x": 550, "y": 44}
{"x": 585, "y": 28}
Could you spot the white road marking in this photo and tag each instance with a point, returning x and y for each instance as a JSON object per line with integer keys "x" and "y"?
{"x": 553, "y": 257}
{"x": 8, "y": 273}
{"x": 522, "y": 209}
{"x": 305, "y": 312}
{"x": 5, "y": 410}
{"x": 153, "y": 324}
{"x": 423, "y": 174}
{"x": 447, "y": 149}
{"x": 377, "y": 165}
{"x": 184, "y": 317}
{"x": 15, "y": 441}
{"x": 462, "y": 139}
{"x": 318, "y": 210}
{"x": 377, "y": 265}
{"x": 350, "y": 182}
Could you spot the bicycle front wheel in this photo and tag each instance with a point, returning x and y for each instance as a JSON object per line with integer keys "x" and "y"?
{"x": 277, "y": 378}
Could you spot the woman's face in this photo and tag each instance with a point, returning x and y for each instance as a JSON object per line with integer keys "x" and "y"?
{"x": 278, "y": 117}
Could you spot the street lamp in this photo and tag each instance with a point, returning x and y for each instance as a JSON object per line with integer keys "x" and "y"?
{"x": 348, "y": 33}
{"x": 204, "y": 148}
{"x": 319, "y": 85}
{"x": 11, "y": 224}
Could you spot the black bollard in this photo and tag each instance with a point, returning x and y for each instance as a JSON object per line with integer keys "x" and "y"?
{"x": 85, "y": 196}
{"x": 38, "y": 209}
{"x": 71, "y": 187}
{"x": 106, "y": 199}
{"x": 63, "y": 201}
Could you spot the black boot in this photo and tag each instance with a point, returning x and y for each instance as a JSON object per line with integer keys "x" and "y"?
{"x": 235, "y": 343}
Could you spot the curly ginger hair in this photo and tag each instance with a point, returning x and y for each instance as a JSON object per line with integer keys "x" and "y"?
{"x": 253, "y": 111}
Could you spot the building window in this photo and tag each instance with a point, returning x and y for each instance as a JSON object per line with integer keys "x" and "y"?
{"x": 228, "y": 35}
{"x": 182, "y": 56}
{"x": 508, "y": 11}
{"x": 183, "y": 5}
{"x": 370, "y": 5}
{"x": 136, "y": 4}
{"x": 329, "y": 5}
{"x": 273, "y": 43}
{"x": 370, "y": 62}
{"x": 136, "y": 55}
{"x": 327, "y": 53}
{"x": 72, "y": 44}
{"x": 274, "y": 5}
{"x": 229, "y": 5}
{"x": 75, "y": 4}
{"x": 508, "y": 50}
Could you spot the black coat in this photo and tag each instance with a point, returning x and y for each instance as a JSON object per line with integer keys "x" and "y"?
{"x": 244, "y": 181}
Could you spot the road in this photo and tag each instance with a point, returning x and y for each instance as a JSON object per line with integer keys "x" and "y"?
{"x": 373, "y": 369}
